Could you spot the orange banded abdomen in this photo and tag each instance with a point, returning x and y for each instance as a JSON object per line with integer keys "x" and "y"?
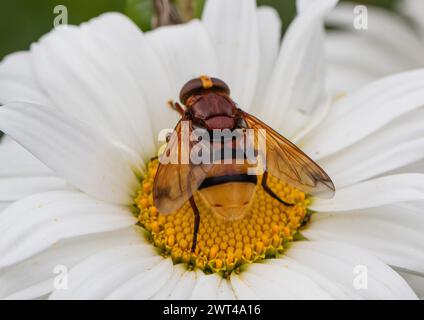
{"x": 228, "y": 190}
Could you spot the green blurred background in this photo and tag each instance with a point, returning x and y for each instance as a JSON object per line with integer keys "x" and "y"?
{"x": 24, "y": 21}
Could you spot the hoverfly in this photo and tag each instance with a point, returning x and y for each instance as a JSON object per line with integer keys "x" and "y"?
{"x": 228, "y": 189}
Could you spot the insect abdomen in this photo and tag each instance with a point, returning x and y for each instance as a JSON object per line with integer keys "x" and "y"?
{"x": 228, "y": 190}
{"x": 230, "y": 200}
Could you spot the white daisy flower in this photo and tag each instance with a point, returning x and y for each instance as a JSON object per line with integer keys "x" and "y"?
{"x": 92, "y": 100}
{"x": 414, "y": 9}
{"x": 388, "y": 44}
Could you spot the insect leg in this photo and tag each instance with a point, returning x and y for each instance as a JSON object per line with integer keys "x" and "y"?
{"x": 270, "y": 192}
{"x": 306, "y": 219}
{"x": 196, "y": 223}
{"x": 176, "y": 106}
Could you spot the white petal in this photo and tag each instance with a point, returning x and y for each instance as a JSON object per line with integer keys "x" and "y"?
{"x": 269, "y": 25}
{"x": 73, "y": 150}
{"x": 28, "y": 279}
{"x": 399, "y": 156}
{"x": 22, "y": 174}
{"x": 15, "y": 188}
{"x": 233, "y": 28}
{"x": 392, "y": 233}
{"x": 342, "y": 78}
{"x": 146, "y": 284}
{"x": 167, "y": 289}
{"x": 275, "y": 282}
{"x": 185, "y": 285}
{"x": 332, "y": 288}
{"x": 242, "y": 290}
{"x": 416, "y": 281}
{"x": 374, "y": 193}
{"x": 339, "y": 261}
{"x": 395, "y": 146}
{"x": 296, "y": 85}
{"x": 265, "y": 289}
{"x": 50, "y": 217}
{"x": 99, "y": 275}
{"x": 415, "y": 10}
{"x": 206, "y": 287}
{"x": 364, "y": 112}
{"x": 38, "y": 290}
{"x": 383, "y": 27}
{"x": 314, "y": 120}
{"x": 17, "y": 81}
{"x": 302, "y": 5}
{"x": 354, "y": 59}
{"x": 87, "y": 80}
{"x": 15, "y": 161}
{"x": 4, "y": 205}
{"x": 129, "y": 44}
{"x": 185, "y": 51}
{"x": 225, "y": 291}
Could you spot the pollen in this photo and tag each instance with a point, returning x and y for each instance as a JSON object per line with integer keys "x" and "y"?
{"x": 224, "y": 246}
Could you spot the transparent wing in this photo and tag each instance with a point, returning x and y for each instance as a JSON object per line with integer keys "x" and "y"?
{"x": 176, "y": 181}
{"x": 288, "y": 163}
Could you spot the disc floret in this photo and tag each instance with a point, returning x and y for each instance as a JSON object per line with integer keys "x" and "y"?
{"x": 223, "y": 246}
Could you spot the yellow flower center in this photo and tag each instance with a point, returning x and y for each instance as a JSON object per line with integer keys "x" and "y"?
{"x": 224, "y": 246}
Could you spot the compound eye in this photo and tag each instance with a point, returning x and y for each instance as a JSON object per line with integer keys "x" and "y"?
{"x": 188, "y": 89}
{"x": 221, "y": 85}
{"x": 202, "y": 83}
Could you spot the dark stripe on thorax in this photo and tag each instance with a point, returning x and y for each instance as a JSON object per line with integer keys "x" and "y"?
{"x": 213, "y": 181}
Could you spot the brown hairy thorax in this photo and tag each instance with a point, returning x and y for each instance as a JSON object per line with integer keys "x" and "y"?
{"x": 212, "y": 109}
